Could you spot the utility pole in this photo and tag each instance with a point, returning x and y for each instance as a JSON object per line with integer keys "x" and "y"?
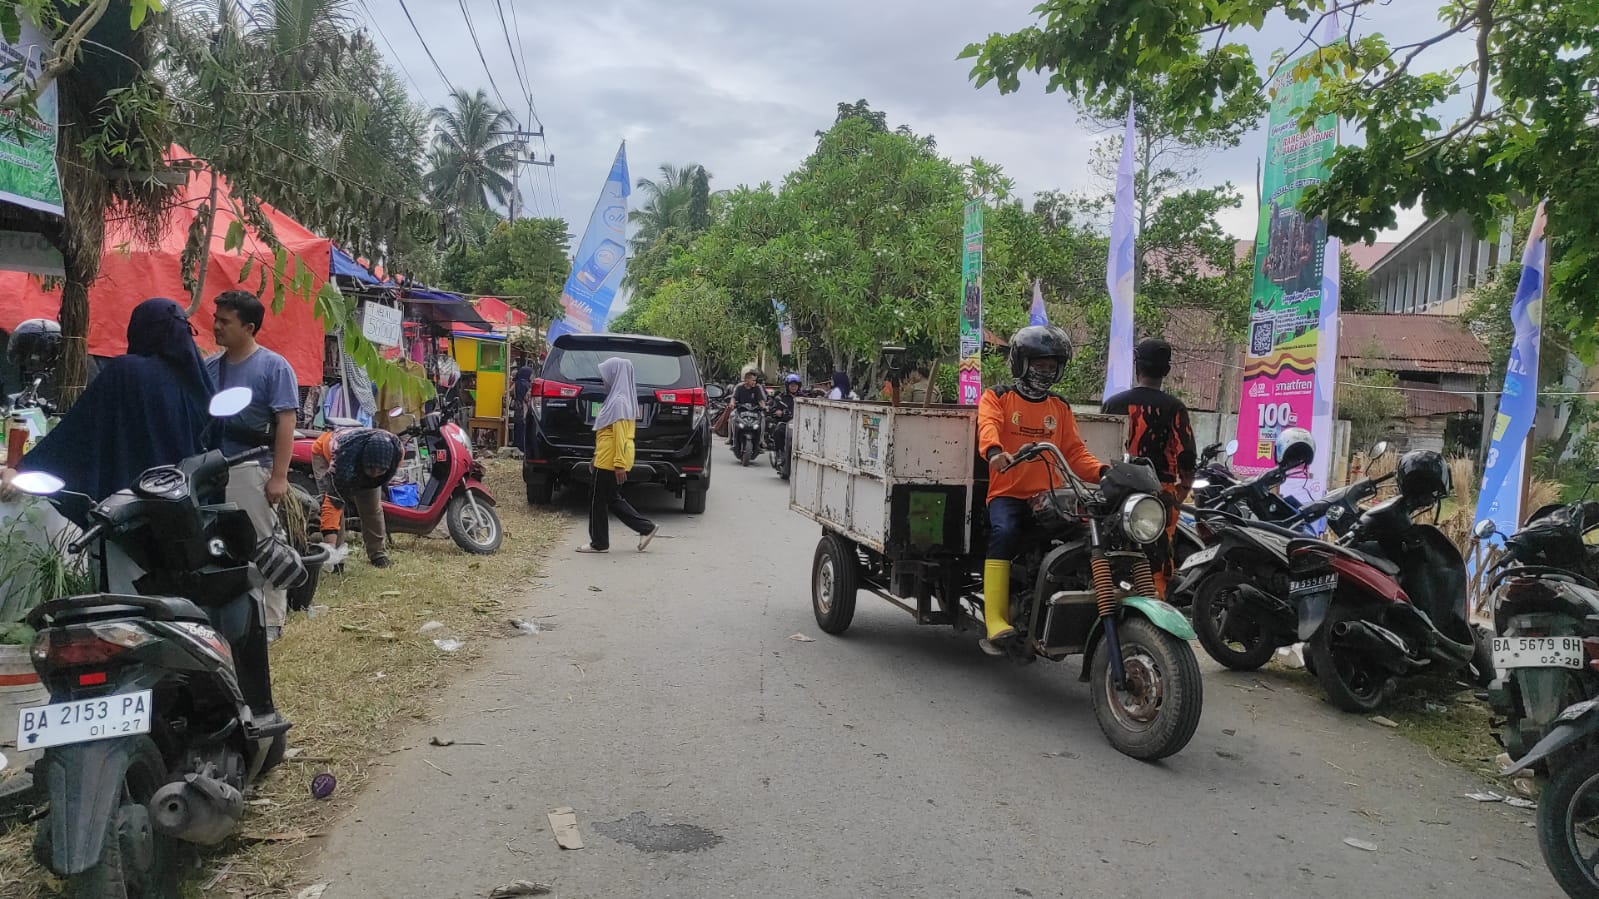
{"x": 532, "y": 159}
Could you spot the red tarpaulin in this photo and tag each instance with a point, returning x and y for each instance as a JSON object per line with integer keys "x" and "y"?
{"x": 500, "y": 315}
{"x": 132, "y": 272}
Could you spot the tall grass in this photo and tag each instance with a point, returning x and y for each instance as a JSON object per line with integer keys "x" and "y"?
{"x": 35, "y": 566}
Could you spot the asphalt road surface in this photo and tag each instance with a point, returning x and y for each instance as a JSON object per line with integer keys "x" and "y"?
{"x": 707, "y": 754}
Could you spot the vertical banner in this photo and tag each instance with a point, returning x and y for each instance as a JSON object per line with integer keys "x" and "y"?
{"x": 1037, "y": 315}
{"x": 971, "y": 347}
{"x": 1119, "y": 271}
{"x": 1292, "y": 270}
{"x": 601, "y": 258}
{"x": 28, "y": 173}
{"x": 1500, "y": 498}
{"x": 785, "y": 329}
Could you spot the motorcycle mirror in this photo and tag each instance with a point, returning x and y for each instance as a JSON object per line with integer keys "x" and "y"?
{"x": 397, "y": 411}
{"x": 38, "y": 483}
{"x": 1232, "y": 447}
{"x": 230, "y": 402}
{"x": 714, "y": 392}
{"x": 1379, "y": 449}
{"x": 1484, "y": 529}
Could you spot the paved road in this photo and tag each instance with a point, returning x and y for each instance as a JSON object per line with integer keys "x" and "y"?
{"x": 707, "y": 754}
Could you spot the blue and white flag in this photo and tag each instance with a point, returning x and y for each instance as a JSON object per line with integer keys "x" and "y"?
{"x": 1037, "y": 316}
{"x": 1500, "y": 498}
{"x": 1119, "y": 272}
{"x": 601, "y": 259}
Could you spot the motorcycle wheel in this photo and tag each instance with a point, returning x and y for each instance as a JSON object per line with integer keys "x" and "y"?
{"x": 1350, "y": 684}
{"x": 135, "y": 861}
{"x": 478, "y": 533}
{"x": 1568, "y": 821}
{"x": 1230, "y": 634}
{"x": 1482, "y": 660}
{"x": 834, "y": 583}
{"x": 750, "y": 448}
{"x": 1158, "y": 712}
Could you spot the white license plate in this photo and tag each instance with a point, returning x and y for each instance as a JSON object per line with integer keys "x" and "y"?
{"x": 1200, "y": 558}
{"x": 1538, "y": 652}
{"x": 83, "y": 721}
{"x": 1319, "y": 584}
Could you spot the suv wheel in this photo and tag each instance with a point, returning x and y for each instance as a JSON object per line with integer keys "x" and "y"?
{"x": 540, "y": 492}
{"x": 694, "y": 501}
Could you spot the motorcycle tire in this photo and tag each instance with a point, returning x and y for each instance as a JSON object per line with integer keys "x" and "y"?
{"x": 113, "y": 876}
{"x": 1349, "y": 685}
{"x": 1574, "y": 789}
{"x": 1482, "y": 660}
{"x": 1160, "y": 665}
{"x": 1254, "y": 649}
{"x": 482, "y": 544}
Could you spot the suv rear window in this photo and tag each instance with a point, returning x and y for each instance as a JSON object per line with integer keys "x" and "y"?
{"x": 663, "y": 368}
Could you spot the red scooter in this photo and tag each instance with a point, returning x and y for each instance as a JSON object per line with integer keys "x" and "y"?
{"x": 453, "y": 493}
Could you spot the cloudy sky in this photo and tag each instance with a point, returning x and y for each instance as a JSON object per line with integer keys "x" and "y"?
{"x": 741, "y": 86}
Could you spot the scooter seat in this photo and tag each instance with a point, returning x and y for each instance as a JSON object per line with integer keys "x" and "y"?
{"x": 103, "y": 606}
{"x": 343, "y": 422}
{"x": 1375, "y": 561}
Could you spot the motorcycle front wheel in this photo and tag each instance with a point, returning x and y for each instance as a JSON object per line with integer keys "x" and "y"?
{"x": 135, "y": 861}
{"x": 1568, "y": 826}
{"x": 1155, "y": 713}
{"x": 474, "y": 526}
{"x": 1229, "y": 630}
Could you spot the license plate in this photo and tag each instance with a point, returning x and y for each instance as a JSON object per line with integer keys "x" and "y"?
{"x": 594, "y": 411}
{"x": 1538, "y": 652}
{"x": 1200, "y": 558}
{"x": 1319, "y": 584}
{"x": 83, "y": 721}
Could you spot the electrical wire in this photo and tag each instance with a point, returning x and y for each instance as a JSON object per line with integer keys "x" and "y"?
{"x": 472, "y": 30}
{"x": 499, "y": 7}
{"x": 425, "y": 49}
{"x": 398, "y": 59}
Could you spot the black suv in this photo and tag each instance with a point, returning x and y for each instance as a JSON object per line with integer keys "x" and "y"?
{"x": 674, "y": 435}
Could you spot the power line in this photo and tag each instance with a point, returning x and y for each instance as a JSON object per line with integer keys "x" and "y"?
{"x": 521, "y": 78}
{"x": 425, "y": 49}
{"x": 472, "y": 30}
{"x": 527, "y": 70}
{"x": 398, "y": 59}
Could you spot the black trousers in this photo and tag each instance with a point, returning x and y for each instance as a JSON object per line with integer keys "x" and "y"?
{"x": 606, "y": 501}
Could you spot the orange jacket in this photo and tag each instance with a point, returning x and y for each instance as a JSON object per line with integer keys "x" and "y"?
{"x": 1006, "y": 421}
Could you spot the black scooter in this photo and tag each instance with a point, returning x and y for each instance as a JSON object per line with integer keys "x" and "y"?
{"x": 160, "y": 711}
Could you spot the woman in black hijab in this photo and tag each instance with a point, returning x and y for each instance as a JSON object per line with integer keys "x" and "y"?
{"x": 144, "y": 409}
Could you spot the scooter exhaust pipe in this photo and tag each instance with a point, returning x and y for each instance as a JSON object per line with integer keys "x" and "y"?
{"x": 198, "y": 809}
{"x": 1385, "y": 647}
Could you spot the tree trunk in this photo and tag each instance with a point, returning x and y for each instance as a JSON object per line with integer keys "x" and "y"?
{"x": 84, "y": 202}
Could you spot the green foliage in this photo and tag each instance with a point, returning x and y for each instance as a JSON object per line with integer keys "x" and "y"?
{"x": 524, "y": 261}
{"x": 473, "y": 154}
{"x": 1354, "y": 293}
{"x": 1530, "y": 126}
{"x": 34, "y": 568}
{"x": 1371, "y": 405}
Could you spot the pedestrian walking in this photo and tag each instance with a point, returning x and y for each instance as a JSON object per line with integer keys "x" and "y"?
{"x": 614, "y": 428}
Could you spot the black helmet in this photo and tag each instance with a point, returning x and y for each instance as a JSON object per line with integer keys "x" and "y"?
{"x": 35, "y": 346}
{"x": 1037, "y": 342}
{"x": 1423, "y": 478}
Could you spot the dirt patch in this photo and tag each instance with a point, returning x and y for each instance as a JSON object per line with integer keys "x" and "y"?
{"x": 636, "y": 830}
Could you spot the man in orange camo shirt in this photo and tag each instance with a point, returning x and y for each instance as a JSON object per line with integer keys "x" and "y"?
{"x": 1009, "y": 418}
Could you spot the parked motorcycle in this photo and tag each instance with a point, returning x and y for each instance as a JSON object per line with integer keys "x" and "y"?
{"x": 1213, "y": 476}
{"x": 159, "y": 716}
{"x": 1388, "y": 599}
{"x": 454, "y": 492}
{"x": 747, "y": 422}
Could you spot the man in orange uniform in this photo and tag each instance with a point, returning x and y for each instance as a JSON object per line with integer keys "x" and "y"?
{"x": 1158, "y": 429}
{"x": 1009, "y": 418}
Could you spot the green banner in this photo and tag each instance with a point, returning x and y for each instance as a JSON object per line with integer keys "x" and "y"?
{"x": 971, "y": 345}
{"x": 28, "y": 174}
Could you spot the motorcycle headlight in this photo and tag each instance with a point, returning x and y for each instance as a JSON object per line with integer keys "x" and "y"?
{"x": 1143, "y": 518}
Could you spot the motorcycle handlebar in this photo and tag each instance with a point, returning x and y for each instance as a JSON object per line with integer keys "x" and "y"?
{"x": 247, "y": 455}
{"x": 78, "y": 545}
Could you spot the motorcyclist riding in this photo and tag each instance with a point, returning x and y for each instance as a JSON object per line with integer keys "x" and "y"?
{"x": 783, "y": 403}
{"x": 1008, "y": 418}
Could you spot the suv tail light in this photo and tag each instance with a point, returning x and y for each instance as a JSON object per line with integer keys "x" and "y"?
{"x": 543, "y": 390}
{"x": 95, "y": 644}
{"x": 690, "y": 396}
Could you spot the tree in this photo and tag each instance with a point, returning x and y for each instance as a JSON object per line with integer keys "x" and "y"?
{"x": 680, "y": 199}
{"x": 1354, "y": 293}
{"x": 1372, "y": 406}
{"x": 473, "y": 152}
{"x": 524, "y": 261}
{"x": 1530, "y": 128}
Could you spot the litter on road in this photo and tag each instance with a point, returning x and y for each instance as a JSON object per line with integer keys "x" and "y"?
{"x": 564, "y": 822}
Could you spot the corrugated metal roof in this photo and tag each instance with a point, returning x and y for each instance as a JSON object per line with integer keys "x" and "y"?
{"x": 1429, "y": 343}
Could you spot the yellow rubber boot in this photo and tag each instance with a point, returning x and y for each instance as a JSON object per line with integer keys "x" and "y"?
{"x": 996, "y": 603}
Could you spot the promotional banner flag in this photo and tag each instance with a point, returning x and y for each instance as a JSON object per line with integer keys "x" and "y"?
{"x": 1500, "y": 498}
{"x": 971, "y": 366}
{"x": 601, "y": 259}
{"x": 1119, "y": 271}
{"x": 28, "y": 173}
{"x": 785, "y": 328}
{"x": 1294, "y": 295}
{"x": 1037, "y": 316}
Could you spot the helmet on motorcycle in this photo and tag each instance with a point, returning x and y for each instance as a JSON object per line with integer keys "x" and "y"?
{"x": 1034, "y": 343}
{"x": 1423, "y": 478}
{"x": 791, "y": 378}
{"x": 1293, "y": 448}
{"x": 35, "y": 345}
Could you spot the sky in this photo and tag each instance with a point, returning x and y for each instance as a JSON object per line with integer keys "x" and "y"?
{"x": 741, "y": 86}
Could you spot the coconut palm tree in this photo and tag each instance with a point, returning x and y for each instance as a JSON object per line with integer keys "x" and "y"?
{"x": 671, "y": 203}
{"x": 472, "y": 155}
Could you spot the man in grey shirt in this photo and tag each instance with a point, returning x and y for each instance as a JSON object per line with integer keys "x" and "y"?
{"x": 268, "y": 421}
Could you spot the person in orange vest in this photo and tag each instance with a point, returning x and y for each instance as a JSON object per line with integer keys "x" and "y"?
{"x": 1009, "y": 418}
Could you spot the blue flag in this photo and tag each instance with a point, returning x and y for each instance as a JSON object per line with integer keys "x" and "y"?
{"x": 601, "y": 259}
{"x": 1500, "y": 498}
{"x": 1119, "y": 272}
{"x": 1038, "y": 316}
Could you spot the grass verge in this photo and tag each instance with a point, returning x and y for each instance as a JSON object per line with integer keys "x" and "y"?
{"x": 352, "y": 679}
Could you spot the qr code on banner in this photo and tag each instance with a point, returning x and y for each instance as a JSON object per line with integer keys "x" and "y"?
{"x": 1260, "y": 335}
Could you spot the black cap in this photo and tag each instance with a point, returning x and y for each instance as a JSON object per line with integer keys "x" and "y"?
{"x": 1153, "y": 354}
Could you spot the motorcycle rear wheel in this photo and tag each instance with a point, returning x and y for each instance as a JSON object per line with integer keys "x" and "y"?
{"x": 1240, "y": 642}
{"x": 1568, "y": 811}
{"x": 1159, "y": 711}
{"x": 1350, "y": 684}
{"x": 135, "y": 862}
